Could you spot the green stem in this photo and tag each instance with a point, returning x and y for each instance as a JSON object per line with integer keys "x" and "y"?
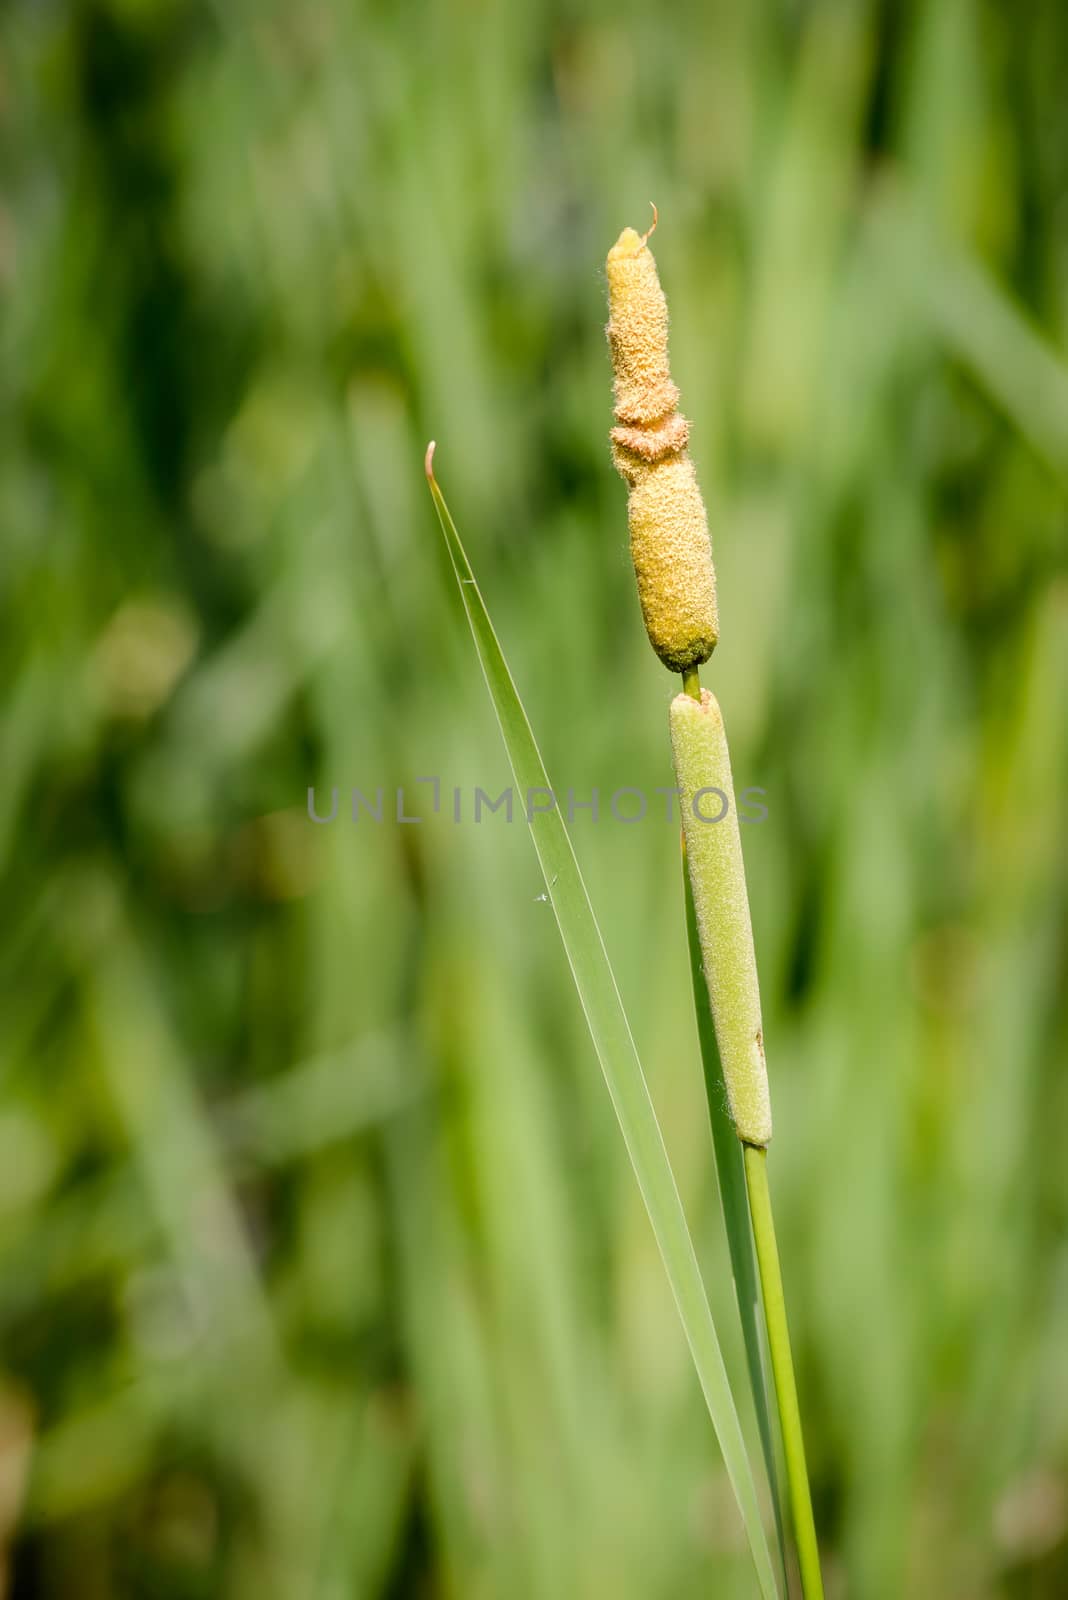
{"x": 691, "y": 682}
{"x": 782, "y": 1366}
{"x": 730, "y": 1176}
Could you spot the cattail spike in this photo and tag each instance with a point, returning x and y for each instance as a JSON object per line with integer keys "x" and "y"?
{"x": 717, "y": 876}
{"x": 638, "y": 334}
{"x": 669, "y": 540}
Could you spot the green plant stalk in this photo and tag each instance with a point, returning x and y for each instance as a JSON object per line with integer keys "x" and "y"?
{"x": 716, "y": 880}
{"x": 782, "y": 1366}
{"x": 614, "y": 1044}
{"x": 730, "y": 1177}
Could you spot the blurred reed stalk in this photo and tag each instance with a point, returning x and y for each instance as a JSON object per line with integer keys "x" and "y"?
{"x": 672, "y": 557}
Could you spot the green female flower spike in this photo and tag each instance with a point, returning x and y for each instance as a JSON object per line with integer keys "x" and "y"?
{"x": 717, "y": 875}
{"x": 669, "y": 541}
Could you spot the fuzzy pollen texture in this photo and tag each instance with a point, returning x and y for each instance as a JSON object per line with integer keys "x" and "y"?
{"x": 669, "y": 541}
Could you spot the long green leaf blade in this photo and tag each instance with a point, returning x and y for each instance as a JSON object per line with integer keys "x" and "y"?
{"x": 614, "y": 1044}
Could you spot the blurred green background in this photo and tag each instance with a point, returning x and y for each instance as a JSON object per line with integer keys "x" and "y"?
{"x": 322, "y": 1270}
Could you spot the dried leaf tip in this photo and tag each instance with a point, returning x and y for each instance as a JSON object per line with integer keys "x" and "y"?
{"x": 630, "y": 241}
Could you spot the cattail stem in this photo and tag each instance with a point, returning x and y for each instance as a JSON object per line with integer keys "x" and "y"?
{"x": 782, "y": 1367}
{"x": 717, "y": 881}
{"x": 730, "y": 1177}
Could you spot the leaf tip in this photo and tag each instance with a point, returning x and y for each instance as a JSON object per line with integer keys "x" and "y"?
{"x": 428, "y": 461}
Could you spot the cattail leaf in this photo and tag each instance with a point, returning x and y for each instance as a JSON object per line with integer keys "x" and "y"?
{"x": 614, "y": 1044}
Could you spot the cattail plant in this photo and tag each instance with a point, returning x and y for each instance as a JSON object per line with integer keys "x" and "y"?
{"x": 677, "y": 588}
{"x": 672, "y": 557}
